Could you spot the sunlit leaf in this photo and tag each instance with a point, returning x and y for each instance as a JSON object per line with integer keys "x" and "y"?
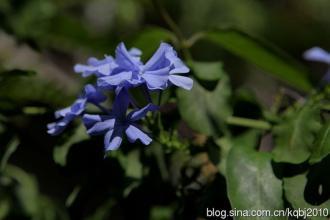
{"x": 294, "y": 190}
{"x": 322, "y": 146}
{"x": 205, "y": 111}
{"x": 251, "y": 182}
{"x": 295, "y": 135}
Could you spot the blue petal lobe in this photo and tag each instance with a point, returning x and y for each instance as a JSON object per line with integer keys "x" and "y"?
{"x": 138, "y": 114}
{"x": 182, "y": 81}
{"x": 133, "y": 133}
{"x": 125, "y": 60}
{"x": 156, "y": 79}
{"x": 317, "y": 54}
{"x": 114, "y": 80}
{"x": 113, "y": 139}
{"x": 158, "y": 60}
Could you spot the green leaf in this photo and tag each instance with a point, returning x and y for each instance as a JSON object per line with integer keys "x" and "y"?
{"x": 102, "y": 212}
{"x": 34, "y": 204}
{"x": 10, "y": 149}
{"x": 263, "y": 55}
{"x": 294, "y": 188}
{"x": 149, "y": 39}
{"x": 4, "y": 207}
{"x": 27, "y": 189}
{"x": 206, "y": 111}
{"x": 322, "y": 146}
{"x": 248, "y": 138}
{"x": 296, "y": 133}
{"x": 20, "y": 88}
{"x": 251, "y": 182}
{"x": 73, "y": 195}
{"x": 130, "y": 163}
{"x": 60, "y": 152}
{"x": 208, "y": 71}
{"x": 161, "y": 213}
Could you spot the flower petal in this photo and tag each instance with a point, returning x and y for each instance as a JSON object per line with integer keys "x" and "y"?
{"x": 113, "y": 139}
{"x": 125, "y": 60}
{"x": 140, "y": 113}
{"x": 78, "y": 106}
{"x": 156, "y": 79}
{"x": 89, "y": 120}
{"x": 93, "y": 94}
{"x": 101, "y": 127}
{"x": 56, "y": 128}
{"x": 182, "y": 81}
{"x": 121, "y": 103}
{"x": 317, "y": 54}
{"x": 97, "y": 67}
{"x": 114, "y": 80}
{"x": 135, "y": 52}
{"x": 84, "y": 69}
{"x": 62, "y": 112}
{"x": 158, "y": 60}
{"x": 133, "y": 133}
{"x": 178, "y": 65}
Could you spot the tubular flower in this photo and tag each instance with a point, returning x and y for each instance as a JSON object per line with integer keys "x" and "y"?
{"x": 118, "y": 122}
{"x": 119, "y": 74}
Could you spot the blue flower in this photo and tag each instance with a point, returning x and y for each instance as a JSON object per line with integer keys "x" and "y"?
{"x": 319, "y": 55}
{"x": 103, "y": 67}
{"x": 119, "y": 122}
{"x": 119, "y": 74}
{"x": 162, "y": 70}
{"x": 66, "y": 115}
{"x": 96, "y": 67}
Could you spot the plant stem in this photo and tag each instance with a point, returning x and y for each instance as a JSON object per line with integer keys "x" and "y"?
{"x": 245, "y": 122}
{"x": 102, "y": 108}
{"x": 169, "y": 21}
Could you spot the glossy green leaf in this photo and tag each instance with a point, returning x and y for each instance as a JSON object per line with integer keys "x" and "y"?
{"x": 294, "y": 189}
{"x": 295, "y": 135}
{"x": 248, "y": 138}
{"x": 251, "y": 182}
{"x": 262, "y": 55}
{"x": 206, "y": 111}
{"x": 322, "y": 146}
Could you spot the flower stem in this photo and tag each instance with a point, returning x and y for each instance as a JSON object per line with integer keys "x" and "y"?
{"x": 245, "y": 122}
{"x": 167, "y": 18}
{"x": 103, "y": 109}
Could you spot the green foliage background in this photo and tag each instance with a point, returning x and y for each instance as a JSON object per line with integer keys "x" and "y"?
{"x": 253, "y": 133}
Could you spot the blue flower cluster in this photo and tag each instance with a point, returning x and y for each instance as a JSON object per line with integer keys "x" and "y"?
{"x": 119, "y": 74}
